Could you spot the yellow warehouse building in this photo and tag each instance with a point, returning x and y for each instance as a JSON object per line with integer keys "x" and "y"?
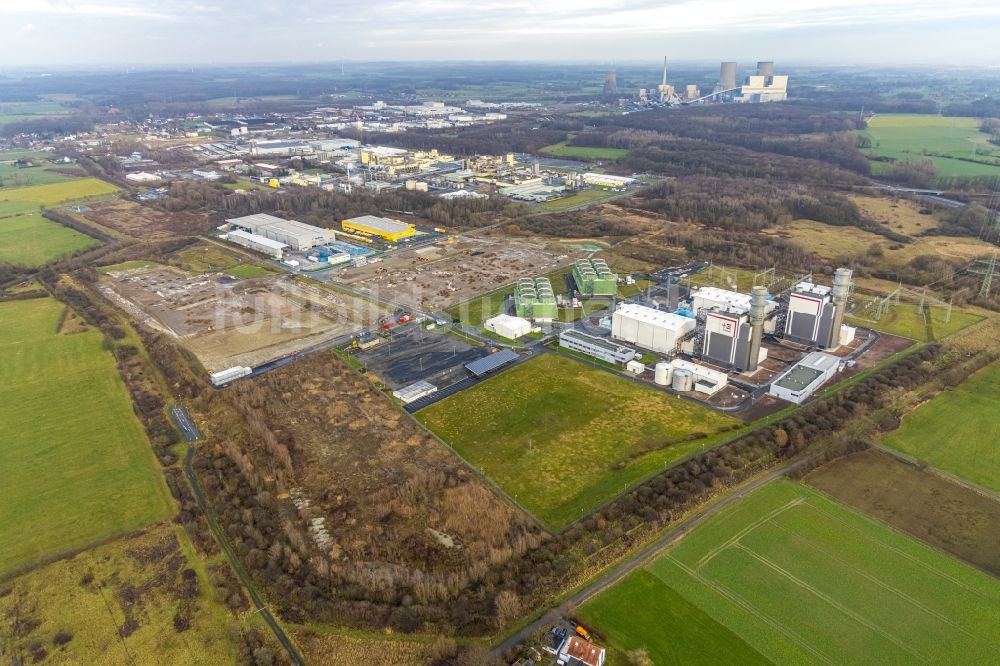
{"x": 383, "y": 227}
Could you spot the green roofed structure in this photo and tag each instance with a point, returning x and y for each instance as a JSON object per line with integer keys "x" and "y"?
{"x": 534, "y": 299}
{"x": 594, "y": 278}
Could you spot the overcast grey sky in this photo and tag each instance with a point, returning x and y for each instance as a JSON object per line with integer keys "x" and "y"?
{"x": 44, "y": 32}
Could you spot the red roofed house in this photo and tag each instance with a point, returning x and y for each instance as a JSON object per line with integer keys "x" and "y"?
{"x": 579, "y": 652}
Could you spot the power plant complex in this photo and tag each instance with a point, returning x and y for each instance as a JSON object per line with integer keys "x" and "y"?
{"x": 762, "y": 86}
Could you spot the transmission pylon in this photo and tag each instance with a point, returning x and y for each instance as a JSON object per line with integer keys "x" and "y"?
{"x": 987, "y": 273}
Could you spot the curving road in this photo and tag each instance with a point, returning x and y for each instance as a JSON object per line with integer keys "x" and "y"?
{"x": 647, "y": 554}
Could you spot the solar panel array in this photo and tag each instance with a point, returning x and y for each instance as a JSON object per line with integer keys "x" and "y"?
{"x": 487, "y": 364}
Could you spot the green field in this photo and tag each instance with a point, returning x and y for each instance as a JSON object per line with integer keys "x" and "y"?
{"x": 958, "y": 431}
{"x": 32, "y": 240}
{"x": 904, "y": 320}
{"x": 561, "y": 437}
{"x": 804, "y": 580}
{"x": 55, "y": 193}
{"x": 77, "y": 466}
{"x": 563, "y": 149}
{"x": 581, "y": 199}
{"x": 12, "y": 176}
{"x": 643, "y": 613}
{"x": 17, "y": 111}
{"x": 951, "y": 143}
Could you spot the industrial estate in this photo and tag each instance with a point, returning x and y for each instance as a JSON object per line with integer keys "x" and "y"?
{"x": 424, "y": 371}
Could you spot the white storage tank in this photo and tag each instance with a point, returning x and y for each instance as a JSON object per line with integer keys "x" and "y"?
{"x": 662, "y": 373}
{"x": 683, "y": 380}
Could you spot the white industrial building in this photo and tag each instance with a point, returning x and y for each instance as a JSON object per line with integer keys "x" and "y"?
{"x": 607, "y": 180}
{"x": 223, "y": 377}
{"x": 706, "y": 380}
{"x": 649, "y": 328}
{"x": 143, "y": 177}
{"x": 507, "y": 326}
{"x": 591, "y": 345}
{"x": 414, "y": 391}
{"x": 713, "y": 297}
{"x": 805, "y": 377}
{"x": 810, "y": 312}
{"x": 280, "y": 148}
{"x": 758, "y": 88}
{"x": 297, "y": 235}
{"x": 262, "y": 244}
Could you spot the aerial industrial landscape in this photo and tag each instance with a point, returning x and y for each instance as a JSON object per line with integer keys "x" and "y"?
{"x": 603, "y": 362}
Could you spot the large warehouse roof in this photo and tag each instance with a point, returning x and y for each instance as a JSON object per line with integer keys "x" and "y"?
{"x": 668, "y": 320}
{"x": 383, "y": 224}
{"x": 260, "y": 240}
{"x": 807, "y": 371}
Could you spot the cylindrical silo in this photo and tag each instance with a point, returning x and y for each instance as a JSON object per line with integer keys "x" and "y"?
{"x": 765, "y": 68}
{"x": 727, "y": 76}
{"x": 662, "y": 373}
{"x": 683, "y": 380}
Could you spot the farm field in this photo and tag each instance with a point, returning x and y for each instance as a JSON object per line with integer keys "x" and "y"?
{"x": 563, "y": 149}
{"x": 17, "y": 111}
{"x": 804, "y": 580}
{"x": 12, "y": 176}
{"x": 923, "y": 504}
{"x": 78, "y": 466}
{"x": 957, "y": 431}
{"x": 31, "y": 240}
{"x": 950, "y": 142}
{"x": 643, "y": 613}
{"x": 117, "y": 604}
{"x": 346, "y": 648}
{"x": 561, "y": 437}
{"x": 55, "y": 193}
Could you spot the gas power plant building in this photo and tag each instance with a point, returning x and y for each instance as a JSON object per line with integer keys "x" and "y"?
{"x": 649, "y": 328}
{"x": 764, "y": 86}
{"x": 296, "y": 235}
{"x": 816, "y": 312}
{"x": 592, "y": 345}
{"x": 534, "y": 299}
{"x": 594, "y": 278}
{"x": 382, "y": 227}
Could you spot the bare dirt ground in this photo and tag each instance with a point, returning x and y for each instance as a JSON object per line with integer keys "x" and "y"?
{"x": 145, "y": 222}
{"x": 442, "y": 275}
{"x": 227, "y": 322}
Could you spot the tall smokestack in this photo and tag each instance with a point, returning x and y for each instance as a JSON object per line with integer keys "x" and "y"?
{"x": 758, "y": 311}
{"x": 727, "y": 76}
{"x": 664, "y": 82}
{"x": 841, "y": 290}
{"x": 765, "y": 68}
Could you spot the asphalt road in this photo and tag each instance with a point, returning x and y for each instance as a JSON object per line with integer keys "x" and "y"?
{"x": 647, "y": 554}
{"x": 184, "y": 422}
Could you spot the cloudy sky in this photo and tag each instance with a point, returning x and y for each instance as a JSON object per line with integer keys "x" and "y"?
{"x": 47, "y": 32}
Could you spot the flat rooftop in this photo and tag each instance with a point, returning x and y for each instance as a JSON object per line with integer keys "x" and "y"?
{"x": 799, "y": 377}
{"x": 595, "y": 341}
{"x": 260, "y": 240}
{"x": 668, "y": 320}
{"x": 383, "y": 224}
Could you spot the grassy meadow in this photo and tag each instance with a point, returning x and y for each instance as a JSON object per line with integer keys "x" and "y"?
{"x": 117, "y": 604}
{"x": 561, "y": 437}
{"x": 77, "y": 465}
{"x": 804, "y": 580}
{"x": 563, "y": 149}
{"x": 32, "y": 240}
{"x": 56, "y": 193}
{"x": 958, "y": 430}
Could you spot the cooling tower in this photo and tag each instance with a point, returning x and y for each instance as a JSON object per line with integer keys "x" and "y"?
{"x": 765, "y": 68}
{"x": 839, "y": 294}
{"x": 727, "y": 76}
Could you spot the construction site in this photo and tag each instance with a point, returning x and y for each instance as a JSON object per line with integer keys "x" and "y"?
{"x": 434, "y": 277}
{"x": 229, "y": 322}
